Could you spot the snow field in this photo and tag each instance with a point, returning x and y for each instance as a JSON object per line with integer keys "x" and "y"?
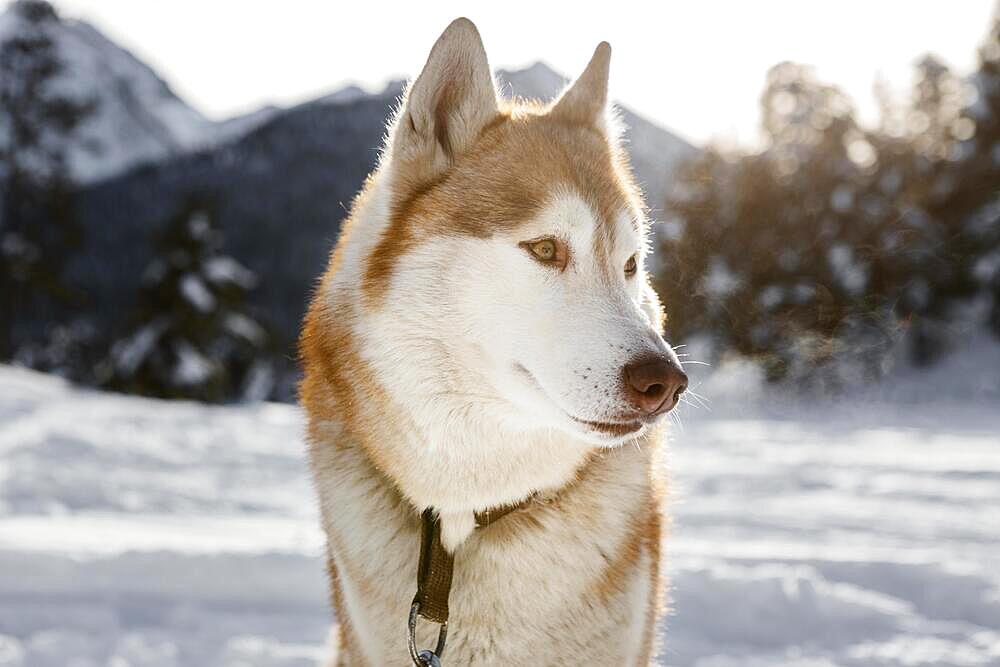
{"x": 160, "y": 534}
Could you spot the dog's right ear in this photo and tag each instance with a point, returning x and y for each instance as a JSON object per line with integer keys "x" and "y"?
{"x": 450, "y": 102}
{"x": 586, "y": 100}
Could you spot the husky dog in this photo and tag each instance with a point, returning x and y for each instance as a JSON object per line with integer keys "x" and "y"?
{"x": 486, "y": 337}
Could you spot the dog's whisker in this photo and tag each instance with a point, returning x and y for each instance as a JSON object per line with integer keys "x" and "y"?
{"x": 694, "y": 393}
{"x": 703, "y": 406}
{"x": 702, "y": 401}
{"x": 694, "y": 406}
{"x": 700, "y": 406}
{"x": 686, "y": 401}
{"x": 677, "y": 420}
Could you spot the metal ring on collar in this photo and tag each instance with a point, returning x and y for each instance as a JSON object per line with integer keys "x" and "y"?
{"x": 424, "y": 658}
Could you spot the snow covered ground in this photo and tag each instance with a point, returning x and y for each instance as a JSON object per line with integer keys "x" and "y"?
{"x": 147, "y": 533}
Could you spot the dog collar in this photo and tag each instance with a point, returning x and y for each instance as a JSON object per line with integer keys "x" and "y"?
{"x": 434, "y": 575}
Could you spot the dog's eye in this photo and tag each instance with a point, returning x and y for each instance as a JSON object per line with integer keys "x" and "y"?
{"x": 544, "y": 250}
{"x": 548, "y": 251}
{"x": 630, "y": 267}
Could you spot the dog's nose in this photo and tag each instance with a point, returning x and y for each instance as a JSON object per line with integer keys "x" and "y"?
{"x": 654, "y": 384}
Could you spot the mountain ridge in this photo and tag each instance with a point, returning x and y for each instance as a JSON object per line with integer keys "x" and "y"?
{"x": 137, "y": 117}
{"x": 140, "y": 119}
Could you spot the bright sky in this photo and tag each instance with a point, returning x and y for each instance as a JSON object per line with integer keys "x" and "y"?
{"x": 696, "y": 67}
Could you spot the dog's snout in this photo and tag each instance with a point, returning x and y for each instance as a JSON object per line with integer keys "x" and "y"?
{"x": 653, "y": 384}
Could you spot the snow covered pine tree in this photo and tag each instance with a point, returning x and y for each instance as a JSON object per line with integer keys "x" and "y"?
{"x": 193, "y": 336}
{"x": 37, "y": 229}
{"x": 766, "y": 255}
{"x": 837, "y": 240}
{"x": 979, "y": 155}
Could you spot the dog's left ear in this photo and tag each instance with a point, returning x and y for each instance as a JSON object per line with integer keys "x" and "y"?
{"x": 451, "y": 101}
{"x": 586, "y": 100}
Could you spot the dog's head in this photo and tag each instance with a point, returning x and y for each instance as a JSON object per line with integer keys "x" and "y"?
{"x": 509, "y": 273}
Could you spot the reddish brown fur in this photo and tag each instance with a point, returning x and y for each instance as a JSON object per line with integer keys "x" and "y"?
{"x": 652, "y": 539}
{"x": 504, "y": 178}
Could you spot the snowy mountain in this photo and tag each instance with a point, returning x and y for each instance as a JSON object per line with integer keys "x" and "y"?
{"x": 155, "y": 533}
{"x": 137, "y": 118}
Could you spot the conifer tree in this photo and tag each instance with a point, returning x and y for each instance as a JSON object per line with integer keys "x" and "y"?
{"x": 768, "y": 258}
{"x": 37, "y": 230}
{"x": 193, "y": 336}
{"x": 978, "y": 182}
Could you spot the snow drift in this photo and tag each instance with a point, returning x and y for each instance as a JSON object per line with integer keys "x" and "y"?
{"x": 150, "y": 533}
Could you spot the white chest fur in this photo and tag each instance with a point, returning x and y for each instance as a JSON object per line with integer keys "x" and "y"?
{"x": 572, "y": 579}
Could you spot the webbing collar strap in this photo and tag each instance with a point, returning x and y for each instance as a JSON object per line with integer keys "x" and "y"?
{"x": 434, "y": 574}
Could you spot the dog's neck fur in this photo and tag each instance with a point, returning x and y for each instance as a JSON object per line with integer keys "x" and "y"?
{"x": 527, "y": 589}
